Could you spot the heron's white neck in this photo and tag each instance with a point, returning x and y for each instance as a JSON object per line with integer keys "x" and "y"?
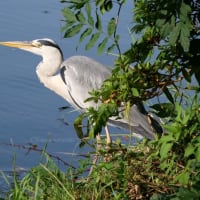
{"x": 49, "y": 65}
{"x": 47, "y": 72}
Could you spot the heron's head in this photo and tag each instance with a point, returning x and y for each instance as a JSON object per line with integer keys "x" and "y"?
{"x": 46, "y": 48}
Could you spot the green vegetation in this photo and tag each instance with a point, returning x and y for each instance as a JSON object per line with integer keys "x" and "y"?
{"x": 165, "y": 65}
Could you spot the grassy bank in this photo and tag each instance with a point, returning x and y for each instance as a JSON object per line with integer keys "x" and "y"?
{"x": 122, "y": 172}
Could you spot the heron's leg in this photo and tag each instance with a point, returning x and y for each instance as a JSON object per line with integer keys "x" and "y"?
{"x": 99, "y": 146}
{"x": 108, "y": 138}
{"x": 96, "y": 156}
{"x": 98, "y": 138}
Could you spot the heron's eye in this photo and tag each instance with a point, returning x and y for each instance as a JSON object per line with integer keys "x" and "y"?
{"x": 36, "y": 44}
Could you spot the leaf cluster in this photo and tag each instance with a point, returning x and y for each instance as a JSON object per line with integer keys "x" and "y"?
{"x": 164, "y": 55}
{"x": 176, "y": 154}
{"x": 173, "y": 27}
{"x": 163, "y": 62}
{"x": 84, "y": 18}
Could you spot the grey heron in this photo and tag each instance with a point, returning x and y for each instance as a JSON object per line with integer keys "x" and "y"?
{"x": 73, "y": 78}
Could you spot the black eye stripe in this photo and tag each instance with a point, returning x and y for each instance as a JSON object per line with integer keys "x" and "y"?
{"x": 51, "y": 44}
{"x": 48, "y": 43}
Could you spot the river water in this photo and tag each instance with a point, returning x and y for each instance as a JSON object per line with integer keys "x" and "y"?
{"x": 29, "y": 113}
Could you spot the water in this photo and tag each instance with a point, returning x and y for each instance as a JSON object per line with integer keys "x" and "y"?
{"x": 29, "y": 113}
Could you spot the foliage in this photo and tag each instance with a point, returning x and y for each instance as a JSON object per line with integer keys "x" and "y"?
{"x": 164, "y": 57}
{"x": 45, "y": 181}
{"x": 178, "y": 152}
{"x": 121, "y": 173}
{"x": 79, "y": 18}
{"x": 162, "y": 62}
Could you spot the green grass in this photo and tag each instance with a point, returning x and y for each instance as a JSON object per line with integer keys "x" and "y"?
{"x": 44, "y": 181}
{"x": 122, "y": 172}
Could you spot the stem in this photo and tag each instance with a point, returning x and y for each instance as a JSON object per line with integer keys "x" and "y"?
{"x": 117, "y": 22}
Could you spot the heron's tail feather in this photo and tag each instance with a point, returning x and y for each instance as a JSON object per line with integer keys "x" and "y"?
{"x": 155, "y": 125}
{"x": 138, "y": 121}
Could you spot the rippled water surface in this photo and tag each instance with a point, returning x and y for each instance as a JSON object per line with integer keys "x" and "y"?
{"x": 29, "y": 112}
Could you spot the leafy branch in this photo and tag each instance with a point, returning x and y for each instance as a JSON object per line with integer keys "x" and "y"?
{"x": 84, "y": 18}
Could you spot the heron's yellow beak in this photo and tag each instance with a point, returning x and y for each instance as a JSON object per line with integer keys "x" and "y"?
{"x": 17, "y": 44}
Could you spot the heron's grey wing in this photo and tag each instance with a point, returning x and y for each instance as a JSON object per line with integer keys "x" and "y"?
{"x": 138, "y": 121}
{"x": 81, "y": 75}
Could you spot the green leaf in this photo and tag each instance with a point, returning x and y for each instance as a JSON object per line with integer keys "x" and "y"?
{"x": 78, "y": 125}
{"x": 86, "y": 33}
{"x": 165, "y": 148}
{"x": 91, "y": 21}
{"x": 189, "y": 150}
{"x": 197, "y": 154}
{"x": 184, "y": 38}
{"x": 108, "y": 166}
{"x": 186, "y": 26}
{"x": 102, "y": 45}
{"x": 164, "y": 109}
{"x": 69, "y": 15}
{"x": 179, "y": 110}
{"x": 133, "y": 38}
{"x": 166, "y": 138}
{"x": 185, "y": 119}
{"x": 92, "y": 41}
{"x": 80, "y": 17}
{"x": 185, "y": 9}
{"x": 117, "y": 37}
{"x": 110, "y": 48}
{"x": 173, "y": 129}
{"x": 168, "y": 95}
{"x": 183, "y": 177}
{"x": 108, "y": 5}
{"x": 186, "y": 75}
{"x": 111, "y": 27}
{"x": 135, "y": 92}
{"x": 98, "y": 24}
{"x": 92, "y": 133}
{"x": 160, "y": 22}
{"x": 73, "y": 30}
{"x": 102, "y": 8}
{"x": 89, "y": 15}
{"x": 173, "y": 37}
{"x": 88, "y": 8}
{"x": 166, "y": 29}
{"x": 99, "y": 2}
